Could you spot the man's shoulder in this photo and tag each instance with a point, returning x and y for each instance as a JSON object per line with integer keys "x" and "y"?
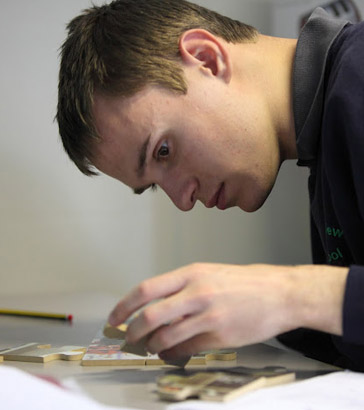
{"x": 347, "y": 53}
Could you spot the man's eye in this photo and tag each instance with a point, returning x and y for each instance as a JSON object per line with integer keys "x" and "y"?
{"x": 163, "y": 151}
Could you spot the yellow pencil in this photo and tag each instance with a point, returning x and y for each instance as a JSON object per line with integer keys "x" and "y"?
{"x": 39, "y": 315}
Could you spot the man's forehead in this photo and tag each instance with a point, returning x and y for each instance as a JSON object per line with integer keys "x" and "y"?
{"x": 108, "y": 157}
{"x": 143, "y": 98}
{"x": 109, "y": 114}
{"x": 122, "y": 134}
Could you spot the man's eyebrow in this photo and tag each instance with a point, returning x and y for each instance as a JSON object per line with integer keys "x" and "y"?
{"x": 139, "y": 191}
{"x": 142, "y": 157}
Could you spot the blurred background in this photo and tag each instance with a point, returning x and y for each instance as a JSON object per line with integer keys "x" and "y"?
{"x": 61, "y": 231}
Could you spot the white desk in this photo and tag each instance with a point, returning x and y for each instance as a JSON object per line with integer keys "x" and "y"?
{"x": 118, "y": 386}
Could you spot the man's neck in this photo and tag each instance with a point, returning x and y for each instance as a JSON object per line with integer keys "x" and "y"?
{"x": 268, "y": 63}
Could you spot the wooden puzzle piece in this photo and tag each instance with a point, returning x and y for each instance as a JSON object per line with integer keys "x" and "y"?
{"x": 217, "y": 385}
{"x": 229, "y": 386}
{"x": 220, "y": 355}
{"x": 139, "y": 348}
{"x": 104, "y": 352}
{"x": 37, "y": 353}
{"x": 115, "y": 332}
{"x": 119, "y": 332}
{"x": 177, "y": 388}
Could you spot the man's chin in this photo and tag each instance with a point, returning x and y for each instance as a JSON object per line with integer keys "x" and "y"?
{"x": 252, "y": 204}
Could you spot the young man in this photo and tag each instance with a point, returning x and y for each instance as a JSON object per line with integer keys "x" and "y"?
{"x": 166, "y": 93}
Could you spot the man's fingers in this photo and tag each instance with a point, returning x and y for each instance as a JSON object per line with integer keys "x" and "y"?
{"x": 190, "y": 347}
{"x": 147, "y": 291}
{"x": 177, "y": 333}
{"x": 169, "y": 311}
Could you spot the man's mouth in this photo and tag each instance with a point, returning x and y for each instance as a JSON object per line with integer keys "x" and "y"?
{"x": 218, "y": 199}
{"x": 221, "y": 200}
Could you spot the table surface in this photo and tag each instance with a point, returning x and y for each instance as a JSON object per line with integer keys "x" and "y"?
{"x": 132, "y": 387}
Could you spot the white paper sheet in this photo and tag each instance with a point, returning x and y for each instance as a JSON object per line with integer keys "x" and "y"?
{"x": 337, "y": 391}
{"x": 21, "y": 391}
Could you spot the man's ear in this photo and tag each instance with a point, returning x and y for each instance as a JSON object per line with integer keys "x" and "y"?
{"x": 201, "y": 48}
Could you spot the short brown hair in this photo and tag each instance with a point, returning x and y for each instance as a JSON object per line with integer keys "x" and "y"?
{"x": 118, "y": 49}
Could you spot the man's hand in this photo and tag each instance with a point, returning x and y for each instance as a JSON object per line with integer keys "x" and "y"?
{"x": 211, "y": 306}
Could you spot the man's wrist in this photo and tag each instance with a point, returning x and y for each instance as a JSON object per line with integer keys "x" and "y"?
{"x": 317, "y": 297}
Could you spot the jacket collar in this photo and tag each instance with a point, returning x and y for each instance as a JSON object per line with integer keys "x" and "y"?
{"x": 312, "y": 50}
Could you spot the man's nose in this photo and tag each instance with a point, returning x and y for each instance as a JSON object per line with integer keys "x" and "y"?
{"x": 182, "y": 194}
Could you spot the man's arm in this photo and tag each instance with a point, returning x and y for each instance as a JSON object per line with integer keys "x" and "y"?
{"x": 210, "y": 306}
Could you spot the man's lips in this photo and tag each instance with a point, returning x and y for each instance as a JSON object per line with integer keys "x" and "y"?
{"x": 221, "y": 200}
{"x": 218, "y": 199}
